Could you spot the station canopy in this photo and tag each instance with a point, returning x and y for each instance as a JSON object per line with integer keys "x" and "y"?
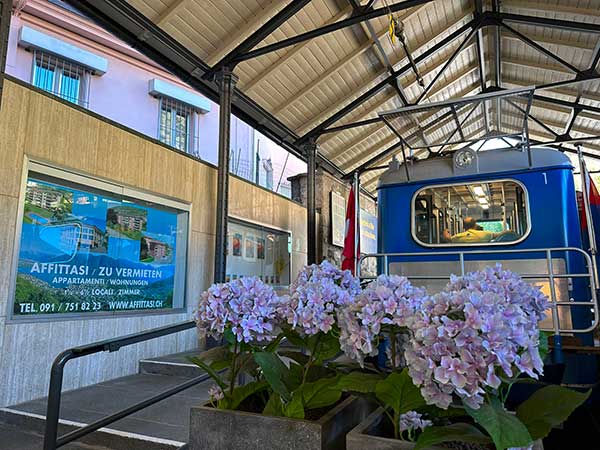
{"x": 327, "y": 69}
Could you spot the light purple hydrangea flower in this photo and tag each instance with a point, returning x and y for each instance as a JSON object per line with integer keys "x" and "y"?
{"x": 387, "y": 301}
{"x": 316, "y": 295}
{"x": 412, "y": 421}
{"x": 247, "y": 305}
{"x": 215, "y": 393}
{"x": 480, "y": 327}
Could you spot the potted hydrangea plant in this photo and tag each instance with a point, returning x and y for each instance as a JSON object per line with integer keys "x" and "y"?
{"x": 293, "y": 400}
{"x": 468, "y": 345}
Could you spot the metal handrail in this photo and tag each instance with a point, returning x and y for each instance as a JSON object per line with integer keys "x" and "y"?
{"x": 51, "y": 439}
{"x": 551, "y": 276}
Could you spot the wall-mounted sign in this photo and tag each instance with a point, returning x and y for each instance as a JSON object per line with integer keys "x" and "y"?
{"x": 85, "y": 250}
{"x": 254, "y": 250}
{"x": 338, "y": 218}
{"x": 368, "y": 232}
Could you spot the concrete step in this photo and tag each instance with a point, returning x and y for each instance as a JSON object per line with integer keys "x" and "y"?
{"x": 172, "y": 365}
{"x": 16, "y": 438}
{"x": 162, "y": 426}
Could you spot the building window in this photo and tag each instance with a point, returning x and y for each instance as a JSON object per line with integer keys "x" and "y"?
{"x": 175, "y": 125}
{"x": 67, "y": 80}
{"x": 473, "y": 213}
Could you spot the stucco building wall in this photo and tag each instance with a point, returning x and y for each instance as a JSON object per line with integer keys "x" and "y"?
{"x": 38, "y": 126}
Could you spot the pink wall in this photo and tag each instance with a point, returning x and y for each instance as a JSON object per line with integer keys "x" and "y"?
{"x": 121, "y": 94}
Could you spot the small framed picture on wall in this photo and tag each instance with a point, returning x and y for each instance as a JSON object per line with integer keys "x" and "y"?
{"x": 250, "y": 246}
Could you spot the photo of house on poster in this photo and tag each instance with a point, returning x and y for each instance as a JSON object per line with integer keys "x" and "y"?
{"x": 82, "y": 252}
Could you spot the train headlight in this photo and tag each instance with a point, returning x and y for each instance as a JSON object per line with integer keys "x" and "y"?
{"x": 464, "y": 158}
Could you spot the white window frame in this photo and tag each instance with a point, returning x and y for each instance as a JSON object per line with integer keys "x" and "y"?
{"x": 177, "y": 108}
{"x": 413, "y": 230}
{"x": 58, "y": 69}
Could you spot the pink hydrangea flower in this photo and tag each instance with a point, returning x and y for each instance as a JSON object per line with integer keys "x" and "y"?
{"x": 246, "y": 305}
{"x": 315, "y": 297}
{"x": 412, "y": 421}
{"x": 388, "y": 301}
{"x": 480, "y": 327}
{"x": 215, "y": 393}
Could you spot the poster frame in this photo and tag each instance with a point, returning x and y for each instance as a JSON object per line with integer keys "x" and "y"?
{"x": 68, "y": 175}
{"x": 332, "y": 196}
{"x": 257, "y": 224}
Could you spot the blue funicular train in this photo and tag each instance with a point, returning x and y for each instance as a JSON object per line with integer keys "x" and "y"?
{"x": 463, "y": 210}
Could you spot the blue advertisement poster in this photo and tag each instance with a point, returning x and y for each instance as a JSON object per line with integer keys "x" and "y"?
{"x": 81, "y": 252}
{"x": 368, "y": 232}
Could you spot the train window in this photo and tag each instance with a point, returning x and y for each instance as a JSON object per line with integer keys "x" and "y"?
{"x": 474, "y": 213}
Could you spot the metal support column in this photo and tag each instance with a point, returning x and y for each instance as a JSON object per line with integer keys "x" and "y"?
{"x": 356, "y": 221}
{"x": 227, "y": 81}
{"x": 311, "y": 215}
{"x": 585, "y": 188}
{"x": 5, "y": 15}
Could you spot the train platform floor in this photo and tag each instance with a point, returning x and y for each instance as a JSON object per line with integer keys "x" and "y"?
{"x": 162, "y": 426}
{"x": 15, "y": 438}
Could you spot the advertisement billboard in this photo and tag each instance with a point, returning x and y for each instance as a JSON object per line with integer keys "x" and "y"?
{"x": 87, "y": 251}
{"x": 368, "y": 232}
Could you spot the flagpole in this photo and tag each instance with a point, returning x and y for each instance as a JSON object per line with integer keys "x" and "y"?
{"x": 588, "y": 214}
{"x": 356, "y": 222}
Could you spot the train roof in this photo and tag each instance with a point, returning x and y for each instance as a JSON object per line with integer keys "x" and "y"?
{"x": 484, "y": 162}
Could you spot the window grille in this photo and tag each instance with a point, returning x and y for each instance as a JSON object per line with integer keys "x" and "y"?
{"x": 176, "y": 126}
{"x": 62, "y": 78}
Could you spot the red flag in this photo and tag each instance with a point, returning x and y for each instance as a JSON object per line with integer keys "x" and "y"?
{"x": 348, "y": 255}
{"x": 594, "y": 200}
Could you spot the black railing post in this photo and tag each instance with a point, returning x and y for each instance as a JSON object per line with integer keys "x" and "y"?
{"x": 227, "y": 81}
{"x": 54, "y": 394}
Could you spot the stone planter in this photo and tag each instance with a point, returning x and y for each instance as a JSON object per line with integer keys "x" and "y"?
{"x": 216, "y": 429}
{"x": 364, "y": 436}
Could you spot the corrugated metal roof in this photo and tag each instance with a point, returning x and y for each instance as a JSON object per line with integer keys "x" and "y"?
{"x": 304, "y": 84}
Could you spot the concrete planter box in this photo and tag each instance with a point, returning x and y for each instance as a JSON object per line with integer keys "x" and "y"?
{"x": 363, "y": 437}
{"x": 216, "y": 429}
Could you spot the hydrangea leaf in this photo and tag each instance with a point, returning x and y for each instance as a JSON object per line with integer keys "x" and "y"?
{"x": 220, "y": 365}
{"x": 241, "y": 393}
{"x": 247, "y": 364}
{"x": 218, "y": 358}
{"x": 294, "y": 338}
{"x": 328, "y": 347}
{"x": 294, "y": 378}
{"x": 321, "y": 393}
{"x": 273, "y": 345}
{"x": 295, "y": 407}
{"x": 398, "y": 392}
{"x": 229, "y": 336}
{"x": 549, "y": 407}
{"x": 364, "y": 383}
{"x": 505, "y": 429}
{"x": 543, "y": 347}
{"x": 451, "y": 412}
{"x": 316, "y": 372}
{"x": 274, "y": 406}
{"x": 209, "y": 370}
{"x": 275, "y": 372}
{"x": 462, "y": 432}
{"x": 299, "y": 357}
